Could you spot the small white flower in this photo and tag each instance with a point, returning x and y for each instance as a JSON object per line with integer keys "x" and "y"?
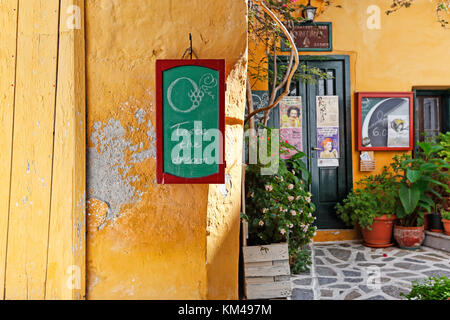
{"x": 282, "y": 231}
{"x": 291, "y": 198}
{"x": 265, "y": 210}
{"x": 293, "y": 212}
{"x": 291, "y": 186}
{"x": 261, "y": 223}
{"x": 291, "y": 226}
{"x": 269, "y": 187}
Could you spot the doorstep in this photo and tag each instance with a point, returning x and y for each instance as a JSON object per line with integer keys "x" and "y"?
{"x": 437, "y": 241}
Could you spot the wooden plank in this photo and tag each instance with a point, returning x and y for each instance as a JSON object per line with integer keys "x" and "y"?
{"x": 259, "y": 280}
{"x": 283, "y": 278}
{"x": 271, "y": 252}
{"x": 67, "y": 245}
{"x": 32, "y": 149}
{"x": 258, "y": 264}
{"x": 8, "y": 27}
{"x": 269, "y": 290}
{"x": 267, "y": 271}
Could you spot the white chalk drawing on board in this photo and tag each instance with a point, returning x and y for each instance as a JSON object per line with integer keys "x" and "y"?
{"x": 206, "y": 84}
{"x": 375, "y": 124}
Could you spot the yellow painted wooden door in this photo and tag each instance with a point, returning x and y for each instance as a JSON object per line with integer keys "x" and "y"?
{"x": 42, "y": 149}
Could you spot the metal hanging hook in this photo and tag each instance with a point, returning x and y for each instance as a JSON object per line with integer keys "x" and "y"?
{"x": 190, "y": 50}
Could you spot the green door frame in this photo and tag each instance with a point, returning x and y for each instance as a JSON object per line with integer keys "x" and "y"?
{"x": 274, "y": 114}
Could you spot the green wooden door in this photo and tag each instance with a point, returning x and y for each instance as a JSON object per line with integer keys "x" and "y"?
{"x": 329, "y": 184}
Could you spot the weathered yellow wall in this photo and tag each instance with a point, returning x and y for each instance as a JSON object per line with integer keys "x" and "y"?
{"x": 409, "y": 50}
{"x": 149, "y": 241}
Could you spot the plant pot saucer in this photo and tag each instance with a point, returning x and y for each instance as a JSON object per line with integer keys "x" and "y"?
{"x": 437, "y": 230}
{"x": 378, "y": 245}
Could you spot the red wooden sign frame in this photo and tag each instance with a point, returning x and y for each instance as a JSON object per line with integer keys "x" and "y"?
{"x": 161, "y": 176}
{"x": 361, "y": 95}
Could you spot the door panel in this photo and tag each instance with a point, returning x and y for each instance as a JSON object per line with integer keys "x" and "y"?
{"x": 329, "y": 184}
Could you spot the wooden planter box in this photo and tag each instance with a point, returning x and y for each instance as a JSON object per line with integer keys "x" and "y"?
{"x": 267, "y": 271}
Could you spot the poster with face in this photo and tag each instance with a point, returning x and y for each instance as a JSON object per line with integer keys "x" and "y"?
{"x": 327, "y": 111}
{"x": 327, "y": 108}
{"x": 398, "y": 131}
{"x": 291, "y": 112}
{"x": 328, "y": 143}
{"x": 291, "y": 123}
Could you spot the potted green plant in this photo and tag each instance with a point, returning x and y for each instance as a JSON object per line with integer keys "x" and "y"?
{"x": 419, "y": 184}
{"x": 371, "y": 206}
{"x": 279, "y": 213}
{"x": 446, "y": 221}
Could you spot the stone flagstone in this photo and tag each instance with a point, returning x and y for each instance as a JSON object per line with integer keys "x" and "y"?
{"x": 350, "y": 271}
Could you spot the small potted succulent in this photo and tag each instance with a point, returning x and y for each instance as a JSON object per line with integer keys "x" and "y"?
{"x": 446, "y": 221}
{"x": 420, "y": 183}
{"x": 371, "y": 206}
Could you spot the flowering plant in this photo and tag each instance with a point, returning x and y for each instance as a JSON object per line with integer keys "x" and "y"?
{"x": 279, "y": 207}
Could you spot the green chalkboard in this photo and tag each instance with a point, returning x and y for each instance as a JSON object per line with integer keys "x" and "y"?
{"x": 190, "y": 110}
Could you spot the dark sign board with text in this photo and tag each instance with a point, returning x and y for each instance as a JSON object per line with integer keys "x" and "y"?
{"x": 315, "y": 36}
{"x": 190, "y": 121}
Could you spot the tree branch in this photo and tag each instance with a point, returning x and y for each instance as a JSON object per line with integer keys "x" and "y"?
{"x": 291, "y": 72}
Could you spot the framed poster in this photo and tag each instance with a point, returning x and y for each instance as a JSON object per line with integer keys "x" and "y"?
{"x": 190, "y": 118}
{"x": 385, "y": 120}
{"x": 311, "y": 36}
{"x": 291, "y": 123}
{"x": 327, "y": 117}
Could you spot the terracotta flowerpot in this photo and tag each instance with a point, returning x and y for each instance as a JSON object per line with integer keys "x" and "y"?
{"x": 381, "y": 234}
{"x": 446, "y": 223}
{"x": 409, "y": 237}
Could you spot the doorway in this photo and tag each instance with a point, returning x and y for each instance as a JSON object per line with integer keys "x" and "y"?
{"x": 330, "y": 183}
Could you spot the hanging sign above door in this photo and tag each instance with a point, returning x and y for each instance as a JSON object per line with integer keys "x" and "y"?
{"x": 315, "y": 36}
{"x": 190, "y": 121}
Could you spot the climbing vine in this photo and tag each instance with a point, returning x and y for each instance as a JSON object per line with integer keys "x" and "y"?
{"x": 442, "y": 10}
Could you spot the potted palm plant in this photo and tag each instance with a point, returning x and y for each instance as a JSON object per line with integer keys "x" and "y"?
{"x": 371, "y": 206}
{"x": 419, "y": 184}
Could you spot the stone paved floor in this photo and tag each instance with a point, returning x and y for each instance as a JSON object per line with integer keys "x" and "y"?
{"x": 350, "y": 271}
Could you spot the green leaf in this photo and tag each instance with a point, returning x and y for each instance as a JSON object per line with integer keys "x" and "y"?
{"x": 413, "y": 175}
{"x": 409, "y": 198}
{"x": 400, "y": 212}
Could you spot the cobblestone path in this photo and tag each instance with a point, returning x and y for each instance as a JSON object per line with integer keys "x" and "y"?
{"x": 348, "y": 271}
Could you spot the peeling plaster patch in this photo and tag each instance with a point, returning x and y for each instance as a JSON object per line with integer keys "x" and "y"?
{"x": 140, "y": 116}
{"x": 108, "y": 176}
{"x": 105, "y": 181}
{"x": 150, "y": 153}
{"x": 223, "y": 187}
